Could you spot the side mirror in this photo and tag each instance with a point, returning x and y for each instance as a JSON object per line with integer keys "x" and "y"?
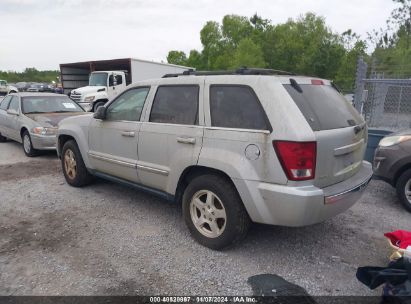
{"x": 12, "y": 112}
{"x": 100, "y": 113}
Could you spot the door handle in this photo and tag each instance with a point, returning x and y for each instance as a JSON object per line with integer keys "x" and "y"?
{"x": 186, "y": 140}
{"x": 128, "y": 133}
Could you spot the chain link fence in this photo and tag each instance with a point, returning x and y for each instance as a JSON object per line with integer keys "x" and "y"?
{"x": 385, "y": 103}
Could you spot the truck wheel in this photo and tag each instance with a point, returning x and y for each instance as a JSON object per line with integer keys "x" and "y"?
{"x": 2, "y": 138}
{"x": 214, "y": 213}
{"x": 98, "y": 105}
{"x": 74, "y": 170}
{"x": 404, "y": 189}
{"x": 27, "y": 145}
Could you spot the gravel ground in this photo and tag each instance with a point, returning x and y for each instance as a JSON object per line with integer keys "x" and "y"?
{"x": 107, "y": 239}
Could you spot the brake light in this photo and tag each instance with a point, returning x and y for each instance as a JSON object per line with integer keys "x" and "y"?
{"x": 297, "y": 158}
{"x": 317, "y": 82}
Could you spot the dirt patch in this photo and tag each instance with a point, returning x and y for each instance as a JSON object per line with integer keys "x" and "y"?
{"x": 47, "y": 232}
{"x": 31, "y": 169}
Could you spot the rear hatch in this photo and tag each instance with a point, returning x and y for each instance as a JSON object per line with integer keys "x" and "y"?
{"x": 340, "y": 131}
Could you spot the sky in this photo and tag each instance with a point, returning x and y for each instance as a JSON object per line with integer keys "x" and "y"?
{"x": 45, "y": 33}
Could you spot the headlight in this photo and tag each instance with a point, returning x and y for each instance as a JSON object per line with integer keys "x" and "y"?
{"x": 89, "y": 98}
{"x": 45, "y": 131}
{"x": 393, "y": 140}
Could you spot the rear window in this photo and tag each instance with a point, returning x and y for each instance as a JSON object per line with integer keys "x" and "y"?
{"x": 323, "y": 107}
{"x": 234, "y": 106}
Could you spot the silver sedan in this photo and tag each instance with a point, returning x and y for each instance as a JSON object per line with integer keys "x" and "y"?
{"x": 32, "y": 119}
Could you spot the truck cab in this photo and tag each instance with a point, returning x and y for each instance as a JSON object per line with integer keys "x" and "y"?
{"x": 103, "y": 86}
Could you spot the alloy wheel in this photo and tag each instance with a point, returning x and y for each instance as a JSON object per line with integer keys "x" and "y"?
{"x": 26, "y": 144}
{"x": 208, "y": 213}
{"x": 407, "y": 190}
{"x": 70, "y": 164}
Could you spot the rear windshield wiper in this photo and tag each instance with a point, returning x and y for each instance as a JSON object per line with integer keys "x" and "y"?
{"x": 295, "y": 85}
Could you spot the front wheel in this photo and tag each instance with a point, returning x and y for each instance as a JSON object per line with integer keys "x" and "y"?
{"x": 28, "y": 145}
{"x": 214, "y": 213}
{"x": 404, "y": 189}
{"x": 74, "y": 170}
{"x": 98, "y": 104}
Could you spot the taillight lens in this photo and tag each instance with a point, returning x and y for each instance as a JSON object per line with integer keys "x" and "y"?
{"x": 297, "y": 158}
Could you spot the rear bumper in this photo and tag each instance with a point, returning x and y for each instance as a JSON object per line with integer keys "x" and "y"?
{"x": 301, "y": 206}
{"x": 41, "y": 142}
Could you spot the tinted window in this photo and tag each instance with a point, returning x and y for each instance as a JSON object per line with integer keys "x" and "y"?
{"x": 176, "y": 105}
{"x": 49, "y": 104}
{"x": 14, "y": 104}
{"x": 236, "y": 107}
{"x": 128, "y": 106}
{"x": 5, "y": 102}
{"x": 323, "y": 107}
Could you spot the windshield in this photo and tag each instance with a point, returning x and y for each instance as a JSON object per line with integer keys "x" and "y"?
{"x": 49, "y": 104}
{"x": 323, "y": 107}
{"x": 2, "y": 83}
{"x": 98, "y": 79}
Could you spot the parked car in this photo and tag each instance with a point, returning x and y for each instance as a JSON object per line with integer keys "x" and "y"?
{"x": 392, "y": 163}
{"x": 32, "y": 118}
{"x": 233, "y": 149}
{"x": 22, "y": 86}
{"x": 40, "y": 87}
{"x": 6, "y": 88}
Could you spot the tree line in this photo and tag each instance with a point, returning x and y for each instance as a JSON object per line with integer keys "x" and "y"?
{"x": 29, "y": 74}
{"x": 304, "y": 46}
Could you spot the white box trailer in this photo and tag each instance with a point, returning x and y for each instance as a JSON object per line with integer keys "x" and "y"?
{"x": 93, "y": 83}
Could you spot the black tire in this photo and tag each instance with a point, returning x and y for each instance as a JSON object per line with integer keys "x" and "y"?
{"x": 237, "y": 220}
{"x": 28, "y": 148}
{"x": 402, "y": 186}
{"x": 2, "y": 138}
{"x": 80, "y": 177}
{"x": 98, "y": 104}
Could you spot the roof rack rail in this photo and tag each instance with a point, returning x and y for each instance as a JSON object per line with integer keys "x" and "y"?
{"x": 240, "y": 71}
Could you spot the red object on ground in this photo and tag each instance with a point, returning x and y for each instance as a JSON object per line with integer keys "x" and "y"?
{"x": 399, "y": 238}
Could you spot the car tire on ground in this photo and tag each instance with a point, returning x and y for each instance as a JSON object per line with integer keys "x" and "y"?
{"x": 27, "y": 145}
{"x": 404, "y": 189}
{"x": 98, "y": 105}
{"x": 72, "y": 163}
{"x": 214, "y": 213}
{"x": 2, "y": 138}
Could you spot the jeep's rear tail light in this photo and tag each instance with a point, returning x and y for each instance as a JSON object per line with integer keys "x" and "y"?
{"x": 317, "y": 82}
{"x": 297, "y": 158}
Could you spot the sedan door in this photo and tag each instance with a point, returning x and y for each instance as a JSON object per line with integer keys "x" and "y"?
{"x": 113, "y": 141}
{"x": 12, "y": 122}
{"x": 3, "y": 114}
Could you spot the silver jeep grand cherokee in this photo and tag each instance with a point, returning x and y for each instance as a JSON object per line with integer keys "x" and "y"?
{"x": 237, "y": 147}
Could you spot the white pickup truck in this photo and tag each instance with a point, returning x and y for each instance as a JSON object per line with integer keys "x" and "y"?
{"x": 6, "y": 89}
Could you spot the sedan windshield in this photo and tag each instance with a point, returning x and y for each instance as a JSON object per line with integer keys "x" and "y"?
{"x": 98, "y": 79}
{"x": 49, "y": 104}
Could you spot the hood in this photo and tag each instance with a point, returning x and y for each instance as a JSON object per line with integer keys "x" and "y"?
{"x": 50, "y": 120}
{"x": 87, "y": 90}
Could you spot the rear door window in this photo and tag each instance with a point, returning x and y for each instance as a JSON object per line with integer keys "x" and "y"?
{"x": 323, "y": 107}
{"x": 234, "y": 106}
{"x": 176, "y": 105}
